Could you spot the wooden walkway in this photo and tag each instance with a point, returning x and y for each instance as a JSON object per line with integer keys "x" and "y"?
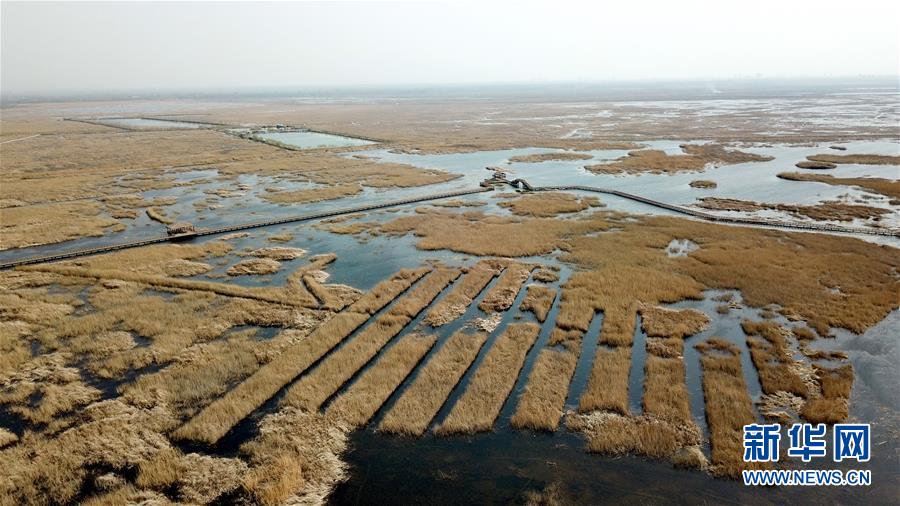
{"x": 485, "y": 187}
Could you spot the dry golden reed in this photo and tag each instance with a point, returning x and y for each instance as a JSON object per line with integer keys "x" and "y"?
{"x": 454, "y": 304}
{"x": 538, "y": 299}
{"x": 422, "y": 400}
{"x": 361, "y": 401}
{"x": 478, "y": 407}
{"x": 219, "y": 417}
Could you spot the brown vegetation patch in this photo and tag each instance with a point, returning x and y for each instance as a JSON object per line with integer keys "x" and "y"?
{"x": 728, "y": 406}
{"x": 477, "y": 233}
{"x": 479, "y": 405}
{"x": 615, "y": 434}
{"x": 564, "y": 156}
{"x": 703, "y": 183}
{"x": 254, "y": 266}
{"x": 7, "y": 438}
{"x": 860, "y": 159}
{"x": 836, "y": 211}
{"x": 696, "y": 158}
{"x": 218, "y": 418}
{"x": 295, "y": 459}
{"x": 454, "y": 304}
{"x": 316, "y": 387}
{"x": 45, "y": 387}
{"x": 808, "y": 164}
{"x": 887, "y": 187}
{"x": 422, "y": 400}
{"x": 540, "y": 406}
{"x": 187, "y": 268}
{"x": 547, "y": 204}
{"x": 538, "y": 299}
{"x": 311, "y": 195}
{"x": 834, "y": 404}
{"x": 158, "y": 214}
{"x": 202, "y": 373}
{"x": 607, "y": 387}
{"x": 49, "y": 468}
{"x": 51, "y": 223}
{"x": 665, "y": 390}
{"x": 661, "y": 322}
{"x": 773, "y": 358}
{"x": 359, "y": 403}
{"x": 280, "y": 253}
{"x": 546, "y": 274}
{"x": 502, "y": 295}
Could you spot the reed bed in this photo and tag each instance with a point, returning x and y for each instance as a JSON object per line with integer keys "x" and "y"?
{"x": 424, "y": 293}
{"x": 199, "y": 375}
{"x": 773, "y": 359}
{"x": 311, "y": 391}
{"x": 158, "y": 214}
{"x": 834, "y": 404}
{"x": 695, "y": 159}
{"x": 538, "y": 300}
{"x": 550, "y": 157}
{"x": 327, "y": 300}
{"x": 422, "y": 400}
{"x": 480, "y": 404}
{"x": 541, "y": 403}
{"x": 548, "y": 204}
{"x": 385, "y": 292}
{"x": 454, "y": 304}
{"x": 220, "y": 416}
{"x": 296, "y": 455}
{"x": 728, "y": 406}
{"x": 361, "y": 401}
{"x": 502, "y": 295}
{"x": 607, "y": 386}
{"x": 616, "y": 434}
{"x": 858, "y": 159}
{"x": 276, "y": 296}
{"x": 665, "y": 390}
{"x": 661, "y": 322}
{"x": 887, "y": 187}
{"x": 52, "y": 223}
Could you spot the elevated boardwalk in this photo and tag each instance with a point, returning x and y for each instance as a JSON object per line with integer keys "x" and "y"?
{"x": 486, "y": 186}
{"x": 824, "y": 227}
{"x": 235, "y": 228}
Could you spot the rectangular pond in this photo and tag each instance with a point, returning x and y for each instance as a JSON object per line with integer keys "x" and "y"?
{"x": 305, "y": 139}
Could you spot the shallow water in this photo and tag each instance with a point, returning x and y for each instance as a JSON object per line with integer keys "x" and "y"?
{"x": 751, "y": 181}
{"x": 308, "y": 140}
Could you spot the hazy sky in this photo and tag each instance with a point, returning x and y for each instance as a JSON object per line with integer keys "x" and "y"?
{"x": 60, "y": 47}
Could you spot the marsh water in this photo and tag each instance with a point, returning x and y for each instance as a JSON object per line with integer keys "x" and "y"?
{"x": 504, "y": 465}
{"x": 307, "y": 139}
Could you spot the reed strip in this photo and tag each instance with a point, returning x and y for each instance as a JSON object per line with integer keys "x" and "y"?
{"x": 502, "y": 295}
{"x": 276, "y": 296}
{"x": 728, "y": 406}
{"x": 422, "y": 400}
{"x": 220, "y": 416}
{"x": 665, "y": 390}
{"x": 492, "y": 382}
{"x": 607, "y": 386}
{"x": 541, "y": 404}
{"x": 311, "y": 391}
{"x": 772, "y": 358}
{"x": 538, "y": 300}
{"x": 455, "y": 303}
{"x": 361, "y": 401}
